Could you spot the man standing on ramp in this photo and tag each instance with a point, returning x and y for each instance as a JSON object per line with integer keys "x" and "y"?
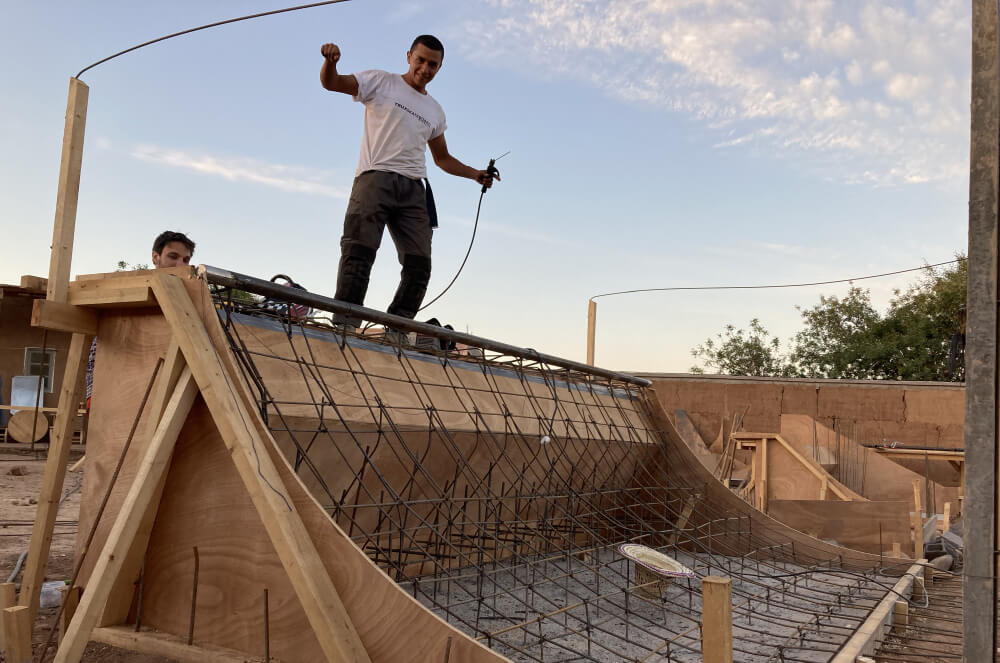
{"x": 401, "y": 120}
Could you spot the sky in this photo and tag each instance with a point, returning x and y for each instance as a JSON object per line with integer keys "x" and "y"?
{"x": 653, "y": 143}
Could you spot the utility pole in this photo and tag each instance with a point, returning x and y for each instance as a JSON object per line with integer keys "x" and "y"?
{"x": 980, "y": 517}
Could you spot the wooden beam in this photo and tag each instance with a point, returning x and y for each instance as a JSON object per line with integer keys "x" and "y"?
{"x": 153, "y": 466}
{"x": 683, "y": 520}
{"x": 119, "y": 600}
{"x": 63, "y": 317}
{"x": 155, "y": 643}
{"x": 103, "y": 295}
{"x": 764, "y": 470}
{"x": 319, "y": 597}
{"x": 870, "y": 634}
{"x": 54, "y": 474}
{"x": 716, "y": 620}
{"x": 591, "y": 330}
{"x": 8, "y": 599}
{"x": 17, "y": 632}
{"x": 70, "y": 601}
{"x": 68, "y": 192}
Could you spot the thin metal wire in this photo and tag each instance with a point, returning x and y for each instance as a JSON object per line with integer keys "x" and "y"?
{"x": 205, "y": 27}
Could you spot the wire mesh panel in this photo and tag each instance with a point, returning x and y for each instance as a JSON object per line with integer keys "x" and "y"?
{"x": 496, "y": 488}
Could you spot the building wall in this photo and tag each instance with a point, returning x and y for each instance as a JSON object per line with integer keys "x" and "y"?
{"x": 16, "y": 334}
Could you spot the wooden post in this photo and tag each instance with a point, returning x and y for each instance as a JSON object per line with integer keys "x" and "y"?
{"x": 945, "y": 522}
{"x": 916, "y": 498}
{"x": 716, "y": 620}
{"x": 896, "y": 549}
{"x": 8, "y": 599}
{"x": 918, "y": 522}
{"x": 17, "y": 632}
{"x": 68, "y": 192}
{"x": 762, "y": 482}
{"x": 900, "y": 616}
{"x": 591, "y": 330}
{"x": 53, "y": 475}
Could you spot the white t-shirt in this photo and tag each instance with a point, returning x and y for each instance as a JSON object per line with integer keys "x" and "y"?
{"x": 398, "y": 123}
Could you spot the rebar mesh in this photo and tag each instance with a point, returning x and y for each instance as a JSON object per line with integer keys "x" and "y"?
{"x": 496, "y": 490}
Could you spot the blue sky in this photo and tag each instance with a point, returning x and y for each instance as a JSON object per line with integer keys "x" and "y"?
{"x": 653, "y": 144}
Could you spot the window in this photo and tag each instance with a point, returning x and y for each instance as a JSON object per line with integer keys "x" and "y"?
{"x": 38, "y": 363}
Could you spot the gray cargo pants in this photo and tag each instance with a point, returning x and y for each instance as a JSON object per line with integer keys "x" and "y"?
{"x": 380, "y": 199}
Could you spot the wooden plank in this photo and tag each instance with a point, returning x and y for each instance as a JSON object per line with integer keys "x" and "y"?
{"x": 856, "y": 525}
{"x": 762, "y": 483}
{"x": 120, "y": 598}
{"x": 8, "y": 599}
{"x": 682, "y": 521}
{"x": 154, "y": 643}
{"x": 870, "y": 634}
{"x": 70, "y": 602}
{"x": 716, "y": 620}
{"x": 39, "y": 283}
{"x": 154, "y": 465}
{"x": 54, "y": 474}
{"x": 17, "y": 633}
{"x": 110, "y": 297}
{"x": 59, "y": 316}
{"x": 320, "y": 600}
{"x": 591, "y": 329}
{"x": 900, "y": 617}
{"x": 68, "y": 191}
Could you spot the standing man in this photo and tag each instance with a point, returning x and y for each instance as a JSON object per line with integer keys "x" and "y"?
{"x": 401, "y": 121}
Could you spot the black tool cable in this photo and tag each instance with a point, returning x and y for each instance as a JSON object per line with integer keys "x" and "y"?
{"x": 205, "y": 27}
{"x": 491, "y": 169}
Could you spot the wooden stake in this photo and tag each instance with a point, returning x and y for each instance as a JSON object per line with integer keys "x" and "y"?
{"x": 153, "y": 466}
{"x": 896, "y": 549}
{"x": 762, "y": 483}
{"x": 900, "y": 616}
{"x": 591, "y": 330}
{"x": 53, "y": 475}
{"x": 945, "y": 522}
{"x": 916, "y": 497}
{"x": 17, "y": 632}
{"x": 7, "y": 600}
{"x": 68, "y": 192}
{"x": 716, "y": 620}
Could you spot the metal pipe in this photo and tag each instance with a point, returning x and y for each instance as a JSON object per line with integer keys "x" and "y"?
{"x": 224, "y": 277}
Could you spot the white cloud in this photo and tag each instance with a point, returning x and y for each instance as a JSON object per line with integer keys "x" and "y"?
{"x": 874, "y": 92}
{"x": 293, "y": 179}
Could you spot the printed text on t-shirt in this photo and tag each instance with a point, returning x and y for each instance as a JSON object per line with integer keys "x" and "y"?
{"x": 402, "y": 107}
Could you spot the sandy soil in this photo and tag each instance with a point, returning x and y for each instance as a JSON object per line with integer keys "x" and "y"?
{"x": 20, "y": 482}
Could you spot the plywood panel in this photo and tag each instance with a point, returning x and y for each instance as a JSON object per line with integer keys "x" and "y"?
{"x": 853, "y": 525}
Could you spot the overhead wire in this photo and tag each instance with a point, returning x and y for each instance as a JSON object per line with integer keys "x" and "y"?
{"x": 205, "y": 27}
{"x": 780, "y": 285}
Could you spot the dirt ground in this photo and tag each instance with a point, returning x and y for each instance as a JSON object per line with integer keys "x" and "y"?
{"x": 20, "y": 482}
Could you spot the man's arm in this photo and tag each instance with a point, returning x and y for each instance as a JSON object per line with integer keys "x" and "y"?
{"x": 328, "y": 75}
{"x": 452, "y": 166}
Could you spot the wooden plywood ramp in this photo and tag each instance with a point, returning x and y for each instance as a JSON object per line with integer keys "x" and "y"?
{"x": 208, "y": 465}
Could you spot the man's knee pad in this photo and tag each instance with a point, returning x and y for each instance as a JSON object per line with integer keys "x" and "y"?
{"x": 415, "y": 276}
{"x": 356, "y": 262}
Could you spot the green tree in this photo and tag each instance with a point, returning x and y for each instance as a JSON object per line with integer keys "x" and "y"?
{"x": 919, "y": 337}
{"x": 743, "y": 352}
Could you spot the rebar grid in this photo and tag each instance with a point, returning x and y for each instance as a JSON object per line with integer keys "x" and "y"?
{"x": 496, "y": 489}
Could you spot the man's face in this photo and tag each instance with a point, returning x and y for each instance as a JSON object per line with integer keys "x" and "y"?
{"x": 174, "y": 254}
{"x": 424, "y": 64}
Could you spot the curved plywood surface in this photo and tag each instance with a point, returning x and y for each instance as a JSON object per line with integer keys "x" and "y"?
{"x": 205, "y": 503}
